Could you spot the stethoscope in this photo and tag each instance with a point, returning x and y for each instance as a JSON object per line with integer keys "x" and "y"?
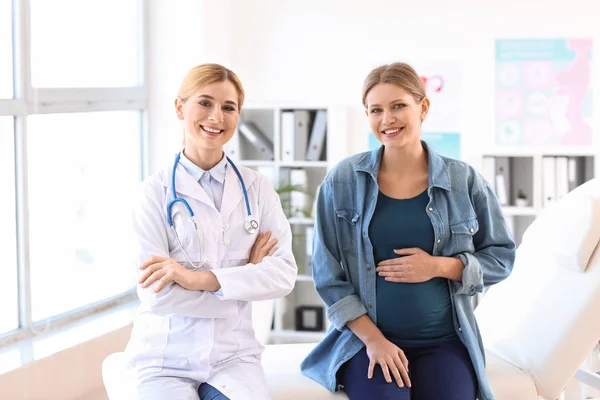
{"x": 251, "y": 224}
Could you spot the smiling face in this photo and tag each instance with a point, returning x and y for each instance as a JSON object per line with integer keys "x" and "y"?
{"x": 210, "y": 115}
{"x": 394, "y": 116}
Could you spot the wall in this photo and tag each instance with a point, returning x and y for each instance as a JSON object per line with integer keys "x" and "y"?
{"x": 182, "y": 34}
{"x": 317, "y": 51}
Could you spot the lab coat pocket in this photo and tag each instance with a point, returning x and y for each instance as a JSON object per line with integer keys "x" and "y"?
{"x": 462, "y": 235}
{"x": 248, "y": 345}
{"x": 183, "y": 344}
{"x": 148, "y": 341}
{"x": 235, "y": 258}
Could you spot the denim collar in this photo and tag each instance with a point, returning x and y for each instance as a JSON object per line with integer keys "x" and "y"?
{"x": 438, "y": 173}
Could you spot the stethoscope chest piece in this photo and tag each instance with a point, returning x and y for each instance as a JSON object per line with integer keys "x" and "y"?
{"x": 251, "y": 225}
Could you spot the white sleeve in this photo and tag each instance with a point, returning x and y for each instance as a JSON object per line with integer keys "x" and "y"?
{"x": 276, "y": 275}
{"x": 151, "y": 239}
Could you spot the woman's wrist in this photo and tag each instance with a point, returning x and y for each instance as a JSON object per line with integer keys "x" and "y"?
{"x": 209, "y": 281}
{"x": 449, "y": 268}
{"x": 202, "y": 281}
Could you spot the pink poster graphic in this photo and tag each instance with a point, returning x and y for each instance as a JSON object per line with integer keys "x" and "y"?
{"x": 543, "y": 92}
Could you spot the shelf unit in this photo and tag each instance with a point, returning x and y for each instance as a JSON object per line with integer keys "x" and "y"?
{"x": 280, "y": 170}
{"x": 528, "y": 172}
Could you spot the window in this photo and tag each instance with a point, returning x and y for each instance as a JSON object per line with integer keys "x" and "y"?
{"x": 78, "y": 43}
{"x": 72, "y": 129}
{"x": 6, "y": 66}
{"x": 9, "y": 317}
{"x": 90, "y": 163}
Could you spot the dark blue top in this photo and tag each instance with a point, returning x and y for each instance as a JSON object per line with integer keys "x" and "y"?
{"x": 408, "y": 313}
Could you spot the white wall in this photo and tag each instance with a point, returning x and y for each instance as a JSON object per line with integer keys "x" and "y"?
{"x": 182, "y": 34}
{"x": 319, "y": 51}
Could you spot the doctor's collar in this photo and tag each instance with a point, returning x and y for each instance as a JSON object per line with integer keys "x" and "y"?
{"x": 217, "y": 172}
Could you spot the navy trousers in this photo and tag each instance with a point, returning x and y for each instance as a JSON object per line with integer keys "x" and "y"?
{"x": 437, "y": 372}
{"x": 208, "y": 392}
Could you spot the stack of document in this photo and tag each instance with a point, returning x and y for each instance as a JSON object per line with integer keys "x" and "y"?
{"x": 301, "y": 138}
{"x": 563, "y": 174}
{"x": 257, "y": 139}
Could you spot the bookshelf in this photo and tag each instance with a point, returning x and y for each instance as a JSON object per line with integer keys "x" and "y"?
{"x": 533, "y": 178}
{"x": 297, "y": 176}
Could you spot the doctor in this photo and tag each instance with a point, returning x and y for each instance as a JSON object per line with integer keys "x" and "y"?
{"x": 212, "y": 237}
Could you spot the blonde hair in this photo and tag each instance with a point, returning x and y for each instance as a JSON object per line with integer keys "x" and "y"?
{"x": 205, "y": 74}
{"x": 399, "y": 74}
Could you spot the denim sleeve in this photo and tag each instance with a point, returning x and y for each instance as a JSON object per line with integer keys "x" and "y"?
{"x": 494, "y": 255}
{"x": 341, "y": 301}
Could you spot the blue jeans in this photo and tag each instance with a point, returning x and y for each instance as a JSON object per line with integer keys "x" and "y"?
{"x": 207, "y": 392}
{"x": 441, "y": 371}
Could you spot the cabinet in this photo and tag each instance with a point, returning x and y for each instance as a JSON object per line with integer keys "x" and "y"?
{"x": 526, "y": 181}
{"x": 291, "y": 146}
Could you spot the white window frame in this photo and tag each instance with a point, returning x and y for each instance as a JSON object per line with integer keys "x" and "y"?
{"x": 30, "y": 101}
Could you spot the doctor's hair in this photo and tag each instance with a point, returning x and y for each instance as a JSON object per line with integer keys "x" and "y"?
{"x": 205, "y": 74}
{"x": 399, "y": 74}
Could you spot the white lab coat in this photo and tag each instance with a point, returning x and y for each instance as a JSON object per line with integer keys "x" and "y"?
{"x": 183, "y": 337}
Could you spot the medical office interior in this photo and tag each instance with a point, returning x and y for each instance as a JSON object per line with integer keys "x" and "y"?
{"x": 86, "y": 112}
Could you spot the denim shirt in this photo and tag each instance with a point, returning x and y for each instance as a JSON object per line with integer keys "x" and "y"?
{"x": 468, "y": 224}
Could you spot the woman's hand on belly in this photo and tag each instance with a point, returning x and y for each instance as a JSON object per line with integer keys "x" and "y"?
{"x": 415, "y": 266}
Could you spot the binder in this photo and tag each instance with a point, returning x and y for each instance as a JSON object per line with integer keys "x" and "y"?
{"x": 574, "y": 173}
{"x": 317, "y": 136}
{"x": 502, "y": 179}
{"x": 549, "y": 179}
{"x": 562, "y": 176}
{"x": 257, "y": 139}
{"x": 287, "y": 136}
{"x": 294, "y": 135}
{"x": 301, "y": 134}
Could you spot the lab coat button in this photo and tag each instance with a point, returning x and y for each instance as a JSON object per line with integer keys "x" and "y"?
{"x": 368, "y": 268}
{"x": 370, "y": 306}
{"x": 459, "y": 329}
{"x": 225, "y": 227}
{"x": 439, "y": 240}
{"x": 472, "y": 230}
{"x": 226, "y": 242}
{"x": 430, "y": 209}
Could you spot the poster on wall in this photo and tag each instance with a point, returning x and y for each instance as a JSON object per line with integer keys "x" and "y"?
{"x": 446, "y": 144}
{"x": 443, "y": 86}
{"x": 543, "y": 92}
